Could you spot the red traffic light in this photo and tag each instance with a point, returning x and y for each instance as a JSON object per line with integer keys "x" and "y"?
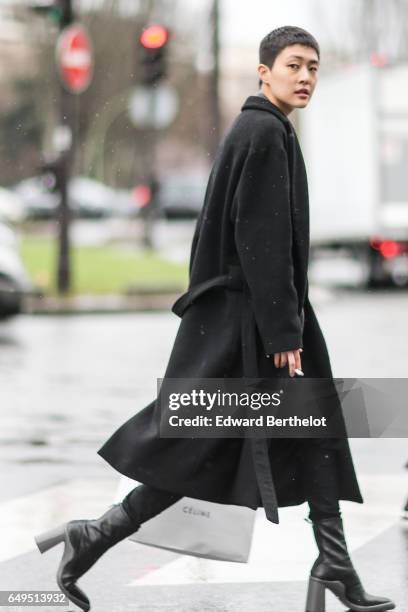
{"x": 154, "y": 37}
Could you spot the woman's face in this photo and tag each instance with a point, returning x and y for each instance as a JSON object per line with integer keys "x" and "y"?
{"x": 294, "y": 69}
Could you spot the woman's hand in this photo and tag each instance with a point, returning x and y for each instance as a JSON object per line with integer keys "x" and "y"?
{"x": 292, "y": 358}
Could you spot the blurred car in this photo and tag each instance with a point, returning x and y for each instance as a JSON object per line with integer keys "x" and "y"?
{"x": 39, "y": 202}
{"x": 127, "y": 204}
{"x": 11, "y": 206}
{"x": 14, "y": 281}
{"x": 89, "y": 199}
{"x": 181, "y": 196}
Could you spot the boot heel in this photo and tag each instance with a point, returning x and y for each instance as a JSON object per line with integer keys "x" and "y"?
{"x": 316, "y": 601}
{"x": 50, "y": 538}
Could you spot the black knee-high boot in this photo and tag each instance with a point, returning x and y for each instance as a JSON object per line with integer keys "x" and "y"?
{"x": 85, "y": 541}
{"x": 334, "y": 570}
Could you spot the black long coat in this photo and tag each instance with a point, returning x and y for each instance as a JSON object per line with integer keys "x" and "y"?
{"x": 247, "y": 299}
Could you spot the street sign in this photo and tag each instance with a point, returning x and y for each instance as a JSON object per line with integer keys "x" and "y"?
{"x": 62, "y": 138}
{"x": 74, "y": 57}
{"x": 153, "y": 107}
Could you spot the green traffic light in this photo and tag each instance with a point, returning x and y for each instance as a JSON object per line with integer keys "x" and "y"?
{"x": 59, "y": 11}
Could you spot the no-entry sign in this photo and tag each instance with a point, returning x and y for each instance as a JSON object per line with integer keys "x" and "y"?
{"x": 75, "y": 58}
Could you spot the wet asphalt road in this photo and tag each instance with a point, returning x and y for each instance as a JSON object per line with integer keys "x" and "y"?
{"x": 70, "y": 381}
{"x": 67, "y": 382}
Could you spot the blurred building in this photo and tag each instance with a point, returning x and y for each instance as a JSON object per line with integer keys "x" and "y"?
{"x": 17, "y": 62}
{"x": 238, "y": 78}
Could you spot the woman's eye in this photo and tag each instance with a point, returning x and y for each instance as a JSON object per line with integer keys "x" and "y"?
{"x": 294, "y": 65}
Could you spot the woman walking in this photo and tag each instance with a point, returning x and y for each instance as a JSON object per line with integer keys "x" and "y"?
{"x": 246, "y": 313}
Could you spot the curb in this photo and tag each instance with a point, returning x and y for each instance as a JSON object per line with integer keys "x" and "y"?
{"x": 107, "y": 304}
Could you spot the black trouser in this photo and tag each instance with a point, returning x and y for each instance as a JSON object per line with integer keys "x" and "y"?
{"x": 321, "y": 479}
{"x": 144, "y": 502}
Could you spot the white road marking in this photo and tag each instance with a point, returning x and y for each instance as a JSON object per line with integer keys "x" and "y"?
{"x": 24, "y": 517}
{"x": 279, "y": 552}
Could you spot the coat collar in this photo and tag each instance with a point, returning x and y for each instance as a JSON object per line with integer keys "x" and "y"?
{"x": 261, "y": 103}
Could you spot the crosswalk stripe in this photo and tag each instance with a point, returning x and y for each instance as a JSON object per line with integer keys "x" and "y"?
{"x": 279, "y": 552}
{"x": 24, "y": 517}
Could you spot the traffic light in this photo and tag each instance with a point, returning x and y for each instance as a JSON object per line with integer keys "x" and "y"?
{"x": 59, "y": 11}
{"x": 152, "y": 53}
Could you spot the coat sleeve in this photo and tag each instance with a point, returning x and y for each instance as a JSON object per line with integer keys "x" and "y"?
{"x": 263, "y": 239}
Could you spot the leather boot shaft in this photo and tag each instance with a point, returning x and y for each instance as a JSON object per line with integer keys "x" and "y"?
{"x": 334, "y": 570}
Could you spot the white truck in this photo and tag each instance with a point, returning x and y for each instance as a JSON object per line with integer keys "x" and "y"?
{"x": 354, "y": 137}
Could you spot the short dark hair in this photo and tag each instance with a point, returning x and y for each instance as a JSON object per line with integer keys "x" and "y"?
{"x": 273, "y": 43}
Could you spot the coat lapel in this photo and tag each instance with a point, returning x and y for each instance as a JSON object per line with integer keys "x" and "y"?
{"x": 300, "y": 215}
{"x": 299, "y": 201}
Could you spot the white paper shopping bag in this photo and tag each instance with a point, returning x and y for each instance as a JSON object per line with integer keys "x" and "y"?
{"x": 196, "y": 527}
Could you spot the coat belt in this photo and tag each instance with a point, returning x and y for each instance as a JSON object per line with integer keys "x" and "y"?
{"x": 259, "y": 446}
{"x": 233, "y": 280}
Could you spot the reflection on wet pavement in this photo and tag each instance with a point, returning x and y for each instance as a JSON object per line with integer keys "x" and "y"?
{"x": 68, "y": 382}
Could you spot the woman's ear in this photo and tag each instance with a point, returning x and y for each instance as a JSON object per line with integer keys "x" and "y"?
{"x": 262, "y": 69}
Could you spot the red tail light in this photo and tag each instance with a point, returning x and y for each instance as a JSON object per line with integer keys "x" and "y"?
{"x": 388, "y": 248}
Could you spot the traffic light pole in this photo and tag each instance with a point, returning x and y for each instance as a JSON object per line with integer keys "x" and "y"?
{"x": 153, "y": 67}
{"x": 64, "y": 213}
{"x": 214, "y": 101}
{"x": 149, "y": 219}
{"x": 61, "y": 11}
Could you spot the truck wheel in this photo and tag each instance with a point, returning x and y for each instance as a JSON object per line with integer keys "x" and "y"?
{"x": 376, "y": 274}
